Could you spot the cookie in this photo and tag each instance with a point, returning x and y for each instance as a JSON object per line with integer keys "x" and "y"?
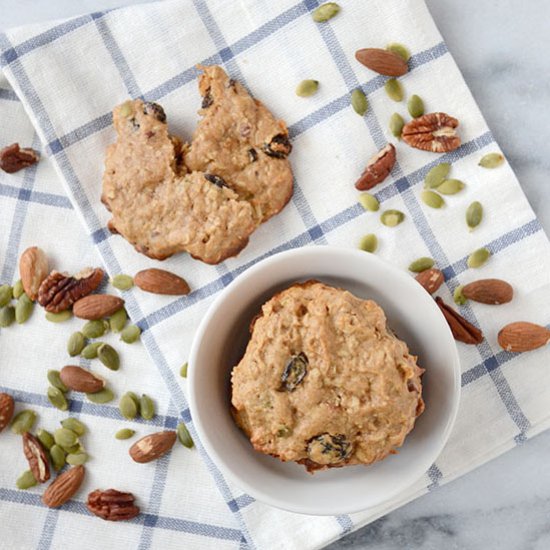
{"x": 324, "y": 382}
{"x": 205, "y": 198}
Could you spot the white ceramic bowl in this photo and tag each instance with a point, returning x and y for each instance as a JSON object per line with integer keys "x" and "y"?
{"x": 221, "y": 340}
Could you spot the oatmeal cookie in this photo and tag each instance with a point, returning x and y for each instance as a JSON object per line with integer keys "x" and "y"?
{"x": 324, "y": 382}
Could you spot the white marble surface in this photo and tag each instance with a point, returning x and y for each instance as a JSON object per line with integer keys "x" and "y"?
{"x": 502, "y": 48}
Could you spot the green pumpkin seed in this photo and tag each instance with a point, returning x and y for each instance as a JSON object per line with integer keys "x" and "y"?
{"x": 146, "y": 407}
{"x": 400, "y": 50}
{"x": 55, "y": 380}
{"x": 73, "y": 449}
{"x": 76, "y": 344}
{"x": 76, "y": 459}
{"x": 491, "y": 160}
{"x": 26, "y": 480}
{"x": 325, "y": 12}
{"x": 359, "y": 102}
{"x": 450, "y": 187}
{"x": 6, "y": 294}
{"x": 393, "y": 89}
{"x": 474, "y": 215}
{"x": 103, "y": 396}
{"x": 57, "y": 455}
{"x": 108, "y": 356}
{"x": 23, "y": 422}
{"x": 183, "y": 370}
{"x": 396, "y": 125}
{"x": 46, "y": 438}
{"x": 59, "y": 317}
{"x": 18, "y": 289}
{"x": 391, "y": 218}
{"x": 117, "y": 321}
{"x": 369, "y": 202}
{"x": 23, "y": 309}
{"x": 369, "y": 243}
{"x": 65, "y": 438}
{"x": 184, "y": 436}
{"x": 7, "y": 316}
{"x": 126, "y": 109}
{"x": 90, "y": 351}
{"x": 458, "y": 297}
{"x": 127, "y": 407}
{"x": 94, "y": 329}
{"x": 421, "y": 264}
{"x": 130, "y": 334}
{"x": 125, "y": 433}
{"x": 436, "y": 176}
{"x": 478, "y": 258}
{"x": 57, "y": 399}
{"x": 432, "y": 199}
{"x": 122, "y": 282}
{"x": 415, "y": 106}
{"x": 74, "y": 425}
{"x": 307, "y": 88}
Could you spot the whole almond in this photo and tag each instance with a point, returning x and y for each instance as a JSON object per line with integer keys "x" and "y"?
{"x": 63, "y": 487}
{"x": 159, "y": 281}
{"x": 33, "y": 269}
{"x": 152, "y": 446}
{"x": 523, "y": 336}
{"x": 79, "y": 379}
{"x": 6, "y": 409}
{"x": 382, "y": 61}
{"x": 431, "y": 279}
{"x": 489, "y": 291}
{"x": 97, "y": 306}
{"x": 36, "y": 457}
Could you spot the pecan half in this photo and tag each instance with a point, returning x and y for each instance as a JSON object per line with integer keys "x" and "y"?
{"x": 435, "y": 132}
{"x": 112, "y": 505}
{"x": 378, "y": 168}
{"x": 462, "y": 330}
{"x": 36, "y": 456}
{"x": 6, "y": 409}
{"x": 279, "y": 147}
{"x": 13, "y": 158}
{"x": 60, "y": 291}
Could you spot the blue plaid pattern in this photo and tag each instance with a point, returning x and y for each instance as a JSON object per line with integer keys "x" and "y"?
{"x": 317, "y": 230}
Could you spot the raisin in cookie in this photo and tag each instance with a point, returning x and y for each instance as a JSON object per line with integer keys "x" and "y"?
{"x": 205, "y": 198}
{"x": 323, "y": 382}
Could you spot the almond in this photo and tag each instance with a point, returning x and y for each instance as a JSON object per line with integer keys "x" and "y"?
{"x": 523, "y": 336}
{"x": 489, "y": 291}
{"x": 79, "y": 379}
{"x": 63, "y": 487}
{"x": 431, "y": 279}
{"x": 159, "y": 281}
{"x": 382, "y": 61}
{"x": 152, "y": 446}
{"x": 33, "y": 269}
{"x": 97, "y": 306}
{"x": 6, "y": 409}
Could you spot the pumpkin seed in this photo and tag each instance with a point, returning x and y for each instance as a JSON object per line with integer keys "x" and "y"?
{"x": 46, "y": 438}
{"x": 72, "y": 449}
{"x": 7, "y": 316}
{"x": 57, "y": 399}
{"x": 127, "y": 407}
{"x": 359, "y": 102}
{"x": 23, "y": 309}
{"x": 6, "y": 294}
{"x": 108, "y": 356}
{"x": 391, "y": 218}
{"x": 90, "y": 351}
{"x": 76, "y": 344}
{"x": 57, "y": 455}
{"x": 369, "y": 202}
{"x": 59, "y": 317}
{"x": 450, "y": 187}
{"x": 368, "y": 243}
{"x": 103, "y": 396}
{"x": 393, "y": 89}
{"x": 126, "y": 109}
{"x": 307, "y": 88}
{"x": 94, "y": 329}
{"x": 134, "y": 397}
{"x": 458, "y": 297}
{"x": 125, "y": 433}
{"x": 432, "y": 199}
{"x": 284, "y": 431}
{"x": 325, "y": 12}
{"x": 26, "y": 480}
{"x": 122, "y": 282}
{"x": 478, "y": 257}
{"x": 400, "y": 50}
{"x": 76, "y": 459}
{"x": 396, "y": 125}
{"x": 184, "y": 436}
{"x": 18, "y": 289}
{"x": 117, "y": 321}
{"x": 130, "y": 334}
{"x": 415, "y": 105}
{"x": 65, "y": 438}
{"x": 146, "y": 407}
{"x": 183, "y": 370}
{"x": 74, "y": 425}
{"x": 436, "y": 176}
{"x": 474, "y": 215}
{"x": 23, "y": 422}
{"x": 491, "y": 160}
{"x": 421, "y": 264}
{"x": 55, "y": 380}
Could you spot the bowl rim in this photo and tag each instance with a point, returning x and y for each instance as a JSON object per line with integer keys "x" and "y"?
{"x": 220, "y": 462}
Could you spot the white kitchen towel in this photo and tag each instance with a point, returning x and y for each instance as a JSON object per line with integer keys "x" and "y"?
{"x": 68, "y": 75}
